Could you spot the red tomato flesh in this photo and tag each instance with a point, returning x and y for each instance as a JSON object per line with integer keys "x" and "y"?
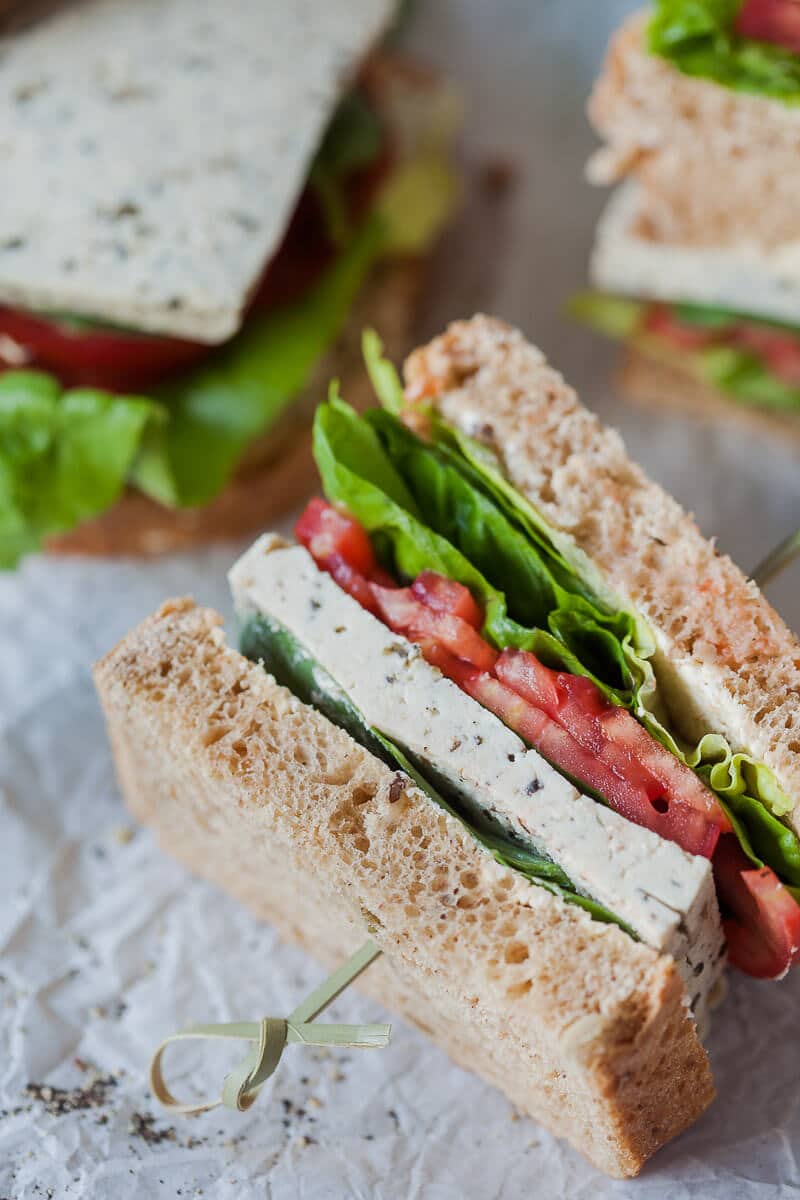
{"x": 404, "y": 613}
{"x": 761, "y": 918}
{"x": 352, "y": 582}
{"x": 567, "y": 719}
{"x": 687, "y": 806}
{"x": 776, "y": 21}
{"x": 445, "y": 595}
{"x": 778, "y": 349}
{"x": 624, "y": 784}
{"x": 107, "y": 358}
{"x": 324, "y": 531}
{"x": 661, "y": 320}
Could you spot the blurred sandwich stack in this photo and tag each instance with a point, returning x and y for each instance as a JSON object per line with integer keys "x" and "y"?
{"x": 696, "y": 263}
{"x": 201, "y": 204}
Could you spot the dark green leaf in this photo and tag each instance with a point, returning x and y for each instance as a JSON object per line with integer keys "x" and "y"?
{"x": 697, "y": 37}
{"x": 472, "y": 528}
{"x": 266, "y": 641}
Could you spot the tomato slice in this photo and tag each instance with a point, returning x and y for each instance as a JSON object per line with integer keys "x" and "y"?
{"x": 692, "y": 815}
{"x": 761, "y": 918}
{"x": 776, "y": 21}
{"x": 351, "y": 581}
{"x": 325, "y": 531}
{"x": 404, "y": 613}
{"x": 97, "y": 357}
{"x": 779, "y": 350}
{"x": 627, "y": 794}
{"x": 661, "y": 320}
{"x": 447, "y": 596}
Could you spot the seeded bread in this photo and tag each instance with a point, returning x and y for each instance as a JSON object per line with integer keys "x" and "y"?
{"x": 717, "y": 166}
{"x": 174, "y": 157}
{"x": 659, "y": 385}
{"x": 583, "y": 1028}
{"x": 726, "y": 662}
{"x": 278, "y": 471}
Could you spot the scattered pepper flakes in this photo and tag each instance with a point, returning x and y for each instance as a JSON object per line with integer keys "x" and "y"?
{"x": 143, "y": 1125}
{"x": 59, "y": 1101}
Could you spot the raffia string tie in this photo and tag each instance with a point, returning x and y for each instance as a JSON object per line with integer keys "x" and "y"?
{"x": 270, "y": 1036}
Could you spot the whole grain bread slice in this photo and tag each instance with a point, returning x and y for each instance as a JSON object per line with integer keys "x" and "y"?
{"x": 717, "y": 166}
{"x": 647, "y": 381}
{"x": 583, "y": 1028}
{"x": 725, "y": 662}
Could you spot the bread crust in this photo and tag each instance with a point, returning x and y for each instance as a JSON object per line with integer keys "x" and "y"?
{"x": 726, "y": 662}
{"x": 278, "y": 471}
{"x": 582, "y": 1027}
{"x": 655, "y": 384}
{"x": 717, "y": 166}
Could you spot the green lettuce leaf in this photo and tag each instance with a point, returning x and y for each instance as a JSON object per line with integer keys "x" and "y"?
{"x": 64, "y": 455}
{"x": 266, "y": 641}
{"x": 446, "y": 507}
{"x": 697, "y": 37}
{"x": 382, "y": 373}
{"x": 358, "y": 473}
{"x": 217, "y": 409}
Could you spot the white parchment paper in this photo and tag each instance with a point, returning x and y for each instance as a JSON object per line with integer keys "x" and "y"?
{"x": 106, "y": 946}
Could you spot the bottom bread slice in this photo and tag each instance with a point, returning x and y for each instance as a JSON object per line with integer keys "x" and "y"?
{"x": 656, "y": 384}
{"x": 581, "y": 1027}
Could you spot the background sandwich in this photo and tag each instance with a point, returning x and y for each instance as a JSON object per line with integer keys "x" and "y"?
{"x": 186, "y": 233}
{"x": 696, "y": 258}
{"x": 541, "y": 674}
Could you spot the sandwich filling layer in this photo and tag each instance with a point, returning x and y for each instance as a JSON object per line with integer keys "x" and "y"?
{"x": 724, "y": 315}
{"x": 748, "y": 45}
{"x": 429, "y": 541}
{"x": 662, "y": 894}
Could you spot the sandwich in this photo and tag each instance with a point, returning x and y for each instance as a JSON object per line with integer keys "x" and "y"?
{"x": 695, "y": 264}
{"x": 500, "y": 703}
{"x": 191, "y": 234}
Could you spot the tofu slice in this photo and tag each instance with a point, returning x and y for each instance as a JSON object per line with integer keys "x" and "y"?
{"x": 664, "y": 894}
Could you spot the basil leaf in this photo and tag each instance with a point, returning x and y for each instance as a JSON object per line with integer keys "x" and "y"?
{"x": 266, "y": 641}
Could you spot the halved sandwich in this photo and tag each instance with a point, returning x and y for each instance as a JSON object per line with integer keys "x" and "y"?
{"x": 502, "y": 703}
{"x": 698, "y": 108}
{"x": 190, "y": 235}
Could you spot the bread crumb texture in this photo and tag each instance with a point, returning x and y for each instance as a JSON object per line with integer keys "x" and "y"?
{"x": 726, "y": 661}
{"x": 582, "y": 1027}
{"x": 717, "y": 166}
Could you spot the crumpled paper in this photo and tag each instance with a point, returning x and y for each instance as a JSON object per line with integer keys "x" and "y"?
{"x": 106, "y": 946}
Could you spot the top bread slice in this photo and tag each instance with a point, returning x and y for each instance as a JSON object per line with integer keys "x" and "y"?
{"x": 726, "y": 662}
{"x": 582, "y": 1027}
{"x": 717, "y": 166}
